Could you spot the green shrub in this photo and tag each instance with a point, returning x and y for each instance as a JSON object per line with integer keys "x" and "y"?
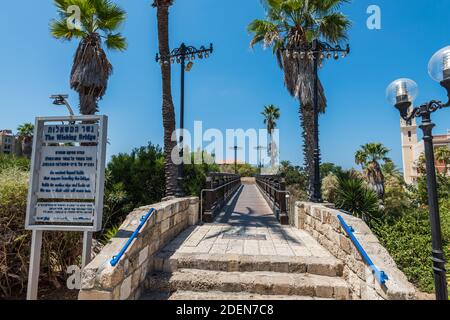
{"x": 14, "y": 240}
{"x": 397, "y": 199}
{"x": 354, "y": 196}
{"x": 245, "y": 170}
{"x": 195, "y": 177}
{"x": 10, "y": 161}
{"x": 132, "y": 180}
{"x": 59, "y": 250}
{"x": 329, "y": 187}
{"x": 110, "y": 233}
{"x": 141, "y": 173}
{"x": 294, "y": 175}
{"x": 408, "y": 240}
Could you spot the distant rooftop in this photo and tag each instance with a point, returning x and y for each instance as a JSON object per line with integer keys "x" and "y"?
{"x": 6, "y": 132}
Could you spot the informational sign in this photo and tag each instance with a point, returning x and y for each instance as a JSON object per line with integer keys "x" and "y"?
{"x": 70, "y": 133}
{"x": 68, "y": 173}
{"x": 68, "y": 167}
{"x": 61, "y": 212}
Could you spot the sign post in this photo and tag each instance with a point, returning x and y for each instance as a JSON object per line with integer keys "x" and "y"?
{"x": 67, "y": 183}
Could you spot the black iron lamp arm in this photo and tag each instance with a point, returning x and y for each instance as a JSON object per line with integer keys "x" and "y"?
{"x": 320, "y": 48}
{"x": 425, "y": 109}
{"x": 185, "y": 51}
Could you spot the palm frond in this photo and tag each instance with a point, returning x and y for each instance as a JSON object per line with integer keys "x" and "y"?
{"x": 116, "y": 42}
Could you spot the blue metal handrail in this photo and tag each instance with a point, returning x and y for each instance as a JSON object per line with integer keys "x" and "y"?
{"x": 380, "y": 275}
{"x": 115, "y": 260}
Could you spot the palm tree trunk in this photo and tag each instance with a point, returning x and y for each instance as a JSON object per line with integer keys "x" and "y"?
{"x": 168, "y": 111}
{"x": 307, "y": 122}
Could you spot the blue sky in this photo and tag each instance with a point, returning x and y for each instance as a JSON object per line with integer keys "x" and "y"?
{"x": 230, "y": 89}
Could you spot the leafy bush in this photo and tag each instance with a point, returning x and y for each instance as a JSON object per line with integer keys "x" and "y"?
{"x": 132, "y": 180}
{"x": 397, "y": 199}
{"x": 330, "y": 185}
{"x": 195, "y": 176}
{"x": 15, "y": 241}
{"x": 140, "y": 173}
{"x": 110, "y": 233}
{"x": 294, "y": 175}
{"x": 408, "y": 240}
{"x": 59, "y": 250}
{"x": 10, "y": 161}
{"x": 245, "y": 170}
{"x": 329, "y": 168}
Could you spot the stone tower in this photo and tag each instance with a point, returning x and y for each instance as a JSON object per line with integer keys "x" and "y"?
{"x": 409, "y": 141}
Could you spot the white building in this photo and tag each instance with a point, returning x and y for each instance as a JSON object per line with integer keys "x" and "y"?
{"x": 412, "y": 149}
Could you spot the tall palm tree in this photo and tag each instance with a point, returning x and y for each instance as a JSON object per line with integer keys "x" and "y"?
{"x": 369, "y": 157}
{"x": 98, "y": 25}
{"x": 299, "y": 22}
{"x": 168, "y": 110}
{"x": 443, "y": 155}
{"x": 25, "y": 133}
{"x": 271, "y": 115}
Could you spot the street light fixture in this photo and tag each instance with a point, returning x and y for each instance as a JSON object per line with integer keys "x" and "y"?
{"x": 316, "y": 51}
{"x": 61, "y": 100}
{"x": 181, "y": 55}
{"x": 402, "y": 93}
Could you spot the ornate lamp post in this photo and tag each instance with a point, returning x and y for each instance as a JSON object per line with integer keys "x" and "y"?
{"x": 316, "y": 51}
{"x": 402, "y": 94}
{"x": 181, "y": 55}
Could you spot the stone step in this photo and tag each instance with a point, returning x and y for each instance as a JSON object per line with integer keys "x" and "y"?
{"x": 263, "y": 283}
{"x": 170, "y": 262}
{"x": 233, "y": 296}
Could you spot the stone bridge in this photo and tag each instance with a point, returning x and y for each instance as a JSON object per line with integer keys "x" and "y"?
{"x": 243, "y": 253}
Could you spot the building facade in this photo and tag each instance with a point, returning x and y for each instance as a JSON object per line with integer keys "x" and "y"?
{"x": 9, "y": 143}
{"x": 412, "y": 149}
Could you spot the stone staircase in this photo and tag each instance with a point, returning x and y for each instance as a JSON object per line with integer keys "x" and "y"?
{"x": 179, "y": 276}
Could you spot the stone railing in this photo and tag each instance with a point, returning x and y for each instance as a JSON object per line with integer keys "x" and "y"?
{"x": 101, "y": 281}
{"x": 322, "y": 222}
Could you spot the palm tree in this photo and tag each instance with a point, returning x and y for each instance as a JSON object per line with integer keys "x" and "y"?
{"x": 271, "y": 115}
{"x": 369, "y": 157}
{"x": 299, "y": 22}
{"x": 25, "y": 133}
{"x": 98, "y": 25}
{"x": 168, "y": 110}
{"x": 443, "y": 155}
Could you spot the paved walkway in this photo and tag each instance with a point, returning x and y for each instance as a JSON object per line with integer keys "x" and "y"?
{"x": 246, "y": 226}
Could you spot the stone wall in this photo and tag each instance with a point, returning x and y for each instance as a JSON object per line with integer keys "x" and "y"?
{"x": 101, "y": 281}
{"x": 322, "y": 223}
